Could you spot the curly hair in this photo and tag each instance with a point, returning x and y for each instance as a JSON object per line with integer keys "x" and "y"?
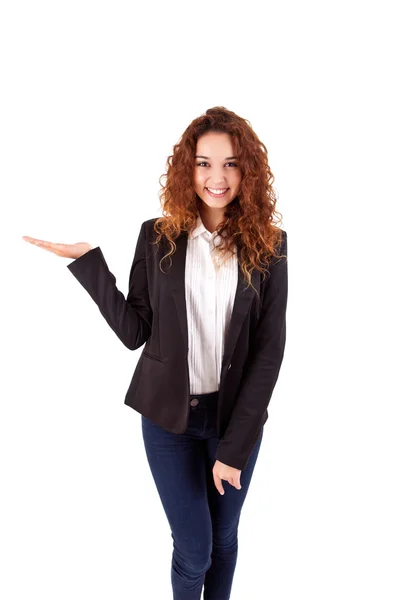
{"x": 249, "y": 218}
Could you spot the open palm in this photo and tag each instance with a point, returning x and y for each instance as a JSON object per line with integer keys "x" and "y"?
{"x": 66, "y": 250}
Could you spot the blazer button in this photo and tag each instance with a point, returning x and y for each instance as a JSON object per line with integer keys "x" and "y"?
{"x": 229, "y": 366}
{"x": 194, "y": 402}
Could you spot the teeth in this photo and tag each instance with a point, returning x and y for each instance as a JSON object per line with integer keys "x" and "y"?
{"x": 217, "y": 191}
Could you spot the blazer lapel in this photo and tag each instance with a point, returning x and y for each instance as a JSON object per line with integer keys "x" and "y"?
{"x": 242, "y": 301}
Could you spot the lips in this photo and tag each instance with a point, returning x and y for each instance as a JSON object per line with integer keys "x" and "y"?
{"x": 221, "y": 195}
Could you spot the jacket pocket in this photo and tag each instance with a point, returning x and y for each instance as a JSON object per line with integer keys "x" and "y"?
{"x": 152, "y": 356}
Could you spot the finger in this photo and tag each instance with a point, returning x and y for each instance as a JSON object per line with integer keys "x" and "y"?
{"x": 32, "y": 240}
{"x": 235, "y": 483}
{"x": 218, "y": 485}
{"x": 36, "y": 241}
{"x": 50, "y": 246}
{"x": 44, "y": 243}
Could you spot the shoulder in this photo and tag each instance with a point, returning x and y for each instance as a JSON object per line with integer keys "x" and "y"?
{"x": 148, "y": 226}
{"x": 281, "y": 246}
{"x": 149, "y": 222}
{"x": 280, "y": 250}
{"x": 283, "y": 231}
{"x": 147, "y": 232}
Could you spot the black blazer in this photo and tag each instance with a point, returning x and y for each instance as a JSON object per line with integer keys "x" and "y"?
{"x": 154, "y": 314}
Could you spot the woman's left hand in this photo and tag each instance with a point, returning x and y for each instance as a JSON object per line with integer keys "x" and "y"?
{"x": 230, "y": 474}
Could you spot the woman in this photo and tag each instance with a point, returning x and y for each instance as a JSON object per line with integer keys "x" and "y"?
{"x": 214, "y": 324}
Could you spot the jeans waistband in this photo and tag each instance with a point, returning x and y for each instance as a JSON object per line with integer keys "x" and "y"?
{"x": 204, "y": 396}
{"x": 207, "y": 401}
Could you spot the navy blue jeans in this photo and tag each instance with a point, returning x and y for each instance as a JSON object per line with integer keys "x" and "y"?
{"x": 204, "y": 523}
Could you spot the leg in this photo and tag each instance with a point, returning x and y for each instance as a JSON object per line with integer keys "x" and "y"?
{"x": 177, "y": 463}
{"x": 225, "y": 515}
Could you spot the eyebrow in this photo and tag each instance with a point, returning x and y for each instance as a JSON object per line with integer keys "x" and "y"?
{"x": 208, "y": 158}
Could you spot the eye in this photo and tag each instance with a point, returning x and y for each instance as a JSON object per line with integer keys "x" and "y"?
{"x": 206, "y": 163}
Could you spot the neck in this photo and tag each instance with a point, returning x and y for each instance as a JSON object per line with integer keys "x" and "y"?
{"x": 211, "y": 217}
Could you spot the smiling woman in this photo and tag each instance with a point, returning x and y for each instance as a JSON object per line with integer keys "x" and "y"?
{"x": 214, "y": 337}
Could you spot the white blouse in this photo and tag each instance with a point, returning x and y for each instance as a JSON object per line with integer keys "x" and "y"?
{"x": 210, "y": 293}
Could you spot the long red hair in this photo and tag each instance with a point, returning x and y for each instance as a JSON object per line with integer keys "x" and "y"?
{"x": 250, "y": 219}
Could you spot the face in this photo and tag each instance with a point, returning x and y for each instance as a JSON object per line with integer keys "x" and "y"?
{"x": 216, "y": 168}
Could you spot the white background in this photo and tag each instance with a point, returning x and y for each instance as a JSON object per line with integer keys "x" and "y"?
{"x": 93, "y": 97}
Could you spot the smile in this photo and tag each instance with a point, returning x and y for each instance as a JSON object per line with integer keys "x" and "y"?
{"x": 217, "y": 193}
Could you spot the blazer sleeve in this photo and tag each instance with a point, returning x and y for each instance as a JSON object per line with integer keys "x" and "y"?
{"x": 263, "y": 366}
{"x": 129, "y": 318}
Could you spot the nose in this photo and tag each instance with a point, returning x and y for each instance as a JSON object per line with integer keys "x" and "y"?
{"x": 217, "y": 180}
{"x": 217, "y": 177}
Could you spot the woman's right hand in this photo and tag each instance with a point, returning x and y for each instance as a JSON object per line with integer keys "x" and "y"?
{"x": 66, "y": 250}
